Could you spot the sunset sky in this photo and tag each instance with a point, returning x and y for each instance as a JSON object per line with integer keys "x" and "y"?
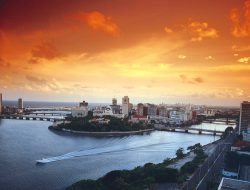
{"x": 171, "y": 51}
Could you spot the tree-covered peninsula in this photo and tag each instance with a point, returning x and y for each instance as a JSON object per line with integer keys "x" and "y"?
{"x": 104, "y": 124}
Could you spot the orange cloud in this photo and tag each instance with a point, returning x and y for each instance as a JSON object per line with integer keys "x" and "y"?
{"x": 45, "y": 50}
{"x": 182, "y": 56}
{"x": 209, "y": 58}
{"x": 36, "y": 80}
{"x": 98, "y": 21}
{"x": 194, "y": 80}
{"x": 41, "y": 84}
{"x": 198, "y": 80}
{"x": 201, "y": 30}
{"x": 241, "y": 26}
{"x": 168, "y": 30}
{"x": 244, "y": 60}
{"x": 245, "y": 48}
{"x": 195, "y": 30}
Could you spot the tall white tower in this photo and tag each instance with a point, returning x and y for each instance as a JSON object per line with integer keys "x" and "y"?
{"x": 125, "y": 105}
{"x": 20, "y": 103}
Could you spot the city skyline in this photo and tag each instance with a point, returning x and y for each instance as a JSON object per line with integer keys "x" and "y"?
{"x": 153, "y": 51}
{"x": 118, "y": 101}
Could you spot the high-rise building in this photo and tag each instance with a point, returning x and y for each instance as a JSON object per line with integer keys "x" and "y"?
{"x": 116, "y": 109}
{"x": 1, "y": 103}
{"x": 114, "y": 101}
{"x": 125, "y": 105}
{"x": 140, "y": 109}
{"x": 20, "y": 103}
{"x": 145, "y": 110}
{"x": 163, "y": 111}
{"x": 81, "y": 110}
{"x": 152, "y": 109}
{"x": 244, "y": 116}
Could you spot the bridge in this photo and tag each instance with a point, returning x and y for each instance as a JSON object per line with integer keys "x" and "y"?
{"x": 49, "y": 109}
{"x": 187, "y": 129}
{"x": 30, "y": 117}
{"x": 221, "y": 121}
{"x": 49, "y": 113}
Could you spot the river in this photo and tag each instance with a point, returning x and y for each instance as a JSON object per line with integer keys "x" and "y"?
{"x": 23, "y": 142}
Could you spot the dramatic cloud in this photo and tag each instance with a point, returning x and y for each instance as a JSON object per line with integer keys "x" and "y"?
{"x": 98, "y": 21}
{"x": 201, "y": 30}
{"x": 45, "y": 50}
{"x": 194, "y": 80}
{"x": 68, "y": 51}
{"x": 241, "y": 22}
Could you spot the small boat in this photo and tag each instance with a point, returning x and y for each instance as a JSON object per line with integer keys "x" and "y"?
{"x": 42, "y": 161}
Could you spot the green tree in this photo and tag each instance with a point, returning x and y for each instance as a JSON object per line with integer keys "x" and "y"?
{"x": 227, "y": 132}
{"x": 179, "y": 153}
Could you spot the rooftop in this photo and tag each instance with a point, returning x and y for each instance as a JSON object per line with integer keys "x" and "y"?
{"x": 246, "y": 102}
{"x": 233, "y": 184}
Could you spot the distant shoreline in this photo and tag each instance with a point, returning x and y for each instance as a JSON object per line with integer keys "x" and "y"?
{"x": 111, "y": 133}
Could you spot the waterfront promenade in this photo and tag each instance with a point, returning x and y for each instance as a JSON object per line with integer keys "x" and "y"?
{"x": 211, "y": 168}
{"x": 208, "y": 150}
